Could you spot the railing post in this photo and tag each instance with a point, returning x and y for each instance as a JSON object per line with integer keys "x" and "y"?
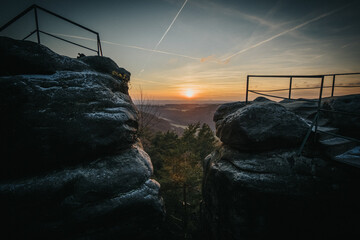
{"x": 319, "y": 105}
{"x": 247, "y": 89}
{"x": 333, "y": 86}
{"x": 37, "y": 25}
{"x": 290, "y": 88}
{"x": 99, "y": 49}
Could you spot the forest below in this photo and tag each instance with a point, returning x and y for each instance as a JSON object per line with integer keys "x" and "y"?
{"x": 177, "y": 161}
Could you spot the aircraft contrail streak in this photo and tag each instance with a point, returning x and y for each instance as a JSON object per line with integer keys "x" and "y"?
{"x": 163, "y": 36}
{"x": 130, "y": 46}
{"x": 285, "y": 32}
{"x": 167, "y": 30}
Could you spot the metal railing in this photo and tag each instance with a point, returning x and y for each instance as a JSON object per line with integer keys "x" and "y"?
{"x": 35, "y": 8}
{"x": 314, "y": 124}
{"x": 291, "y": 77}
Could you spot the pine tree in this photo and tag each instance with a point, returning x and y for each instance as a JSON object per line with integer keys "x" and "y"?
{"x": 177, "y": 166}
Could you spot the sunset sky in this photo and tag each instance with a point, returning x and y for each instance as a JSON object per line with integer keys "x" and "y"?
{"x": 198, "y": 50}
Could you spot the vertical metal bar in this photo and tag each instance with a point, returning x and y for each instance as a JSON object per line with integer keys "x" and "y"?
{"x": 319, "y": 105}
{"x": 333, "y": 86}
{"x": 308, "y": 134}
{"x": 37, "y": 25}
{"x": 99, "y": 45}
{"x": 290, "y": 87}
{"x": 247, "y": 89}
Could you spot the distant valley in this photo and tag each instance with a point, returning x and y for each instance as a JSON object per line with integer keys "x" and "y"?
{"x": 176, "y": 117}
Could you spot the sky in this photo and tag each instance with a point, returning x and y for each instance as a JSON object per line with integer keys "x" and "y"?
{"x": 202, "y": 50}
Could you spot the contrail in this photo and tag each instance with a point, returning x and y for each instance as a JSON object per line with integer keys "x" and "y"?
{"x": 130, "y": 46}
{"x": 167, "y": 30}
{"x": 152, "y": 50}
{"x": 226, "y": 60}
{"x": 163, "y": 36}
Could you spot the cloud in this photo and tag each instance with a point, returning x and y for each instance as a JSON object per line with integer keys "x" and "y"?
{"x": 233, "y": 12}
{"x": 285, "y": 32}
{"x": 212, "y": 58}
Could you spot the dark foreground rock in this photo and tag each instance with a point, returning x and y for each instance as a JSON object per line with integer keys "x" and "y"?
{"x": 72, "y": 167}
{"x": 260, "y": 126}
{"x": 348, "y": 124}
{"x": 254, "y": 193}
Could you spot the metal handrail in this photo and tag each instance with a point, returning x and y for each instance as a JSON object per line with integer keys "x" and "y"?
{"x": 291, "y": 77}
{"x": 314, "y": 124}
{"x": 38, "y": 31}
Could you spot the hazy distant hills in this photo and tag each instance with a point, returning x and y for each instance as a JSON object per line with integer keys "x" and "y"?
{"x": 176, "y": 117}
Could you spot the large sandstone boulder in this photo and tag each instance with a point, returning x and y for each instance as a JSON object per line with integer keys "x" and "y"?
{"x": 71, "y": 165}
{"x": 260, "y": 126}
{"x": 278, "y": 195}
{"x": 347, "y": 124}
{"x": 62, "y": 119}
{"x": 256, "y": 186}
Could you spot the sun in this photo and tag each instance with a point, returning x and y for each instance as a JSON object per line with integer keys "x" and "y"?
{"x": 189, "y": 93}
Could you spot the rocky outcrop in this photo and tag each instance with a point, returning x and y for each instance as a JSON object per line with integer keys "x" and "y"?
{"x": 348, "y": 124}
{"x": 261, "y": 126}
{"x": 257, "y": 187}
{"x": 72, "y": 166}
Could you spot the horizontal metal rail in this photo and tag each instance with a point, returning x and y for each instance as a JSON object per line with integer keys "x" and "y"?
{"x": 287, "y": 76}
{"x": 287, "y": 89}
{"x": 38, "y": 31}
{"x": 274, "y": 96}
{"x": 291, "y": 77}
{"x": 79, "y": 45}
{"x": 341, "y": 74}
{"x": 65, "y": 19}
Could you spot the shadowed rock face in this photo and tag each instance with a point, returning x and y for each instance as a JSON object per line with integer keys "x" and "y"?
{"x": 251, "y": 192}
{"x": 348, "y": 125}
{"x": 24, "y": 57}
{"x": 260, "y": 126}
{"x": 72, "y": 166}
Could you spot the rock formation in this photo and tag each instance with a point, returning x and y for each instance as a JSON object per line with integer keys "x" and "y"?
{"x": 256, "y": 186}
{"x": 72, "y": 166}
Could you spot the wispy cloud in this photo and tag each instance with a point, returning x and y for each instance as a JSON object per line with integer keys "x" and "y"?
{"x": 284, "y": 32}
{"x": 130, "y": 46}
{"x": 212, "y": 58}
{"x": 233, "y": 12}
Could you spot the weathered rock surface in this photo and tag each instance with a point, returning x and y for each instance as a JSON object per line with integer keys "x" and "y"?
{"x": 260, "y": 126}
{"x": 72, "y": 167}
{"x": 253, "y": 193}
{"x": 24, "y": 57}
{"x": 348, "y": 124}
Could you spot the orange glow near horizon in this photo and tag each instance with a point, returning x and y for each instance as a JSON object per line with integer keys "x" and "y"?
{"x": 234, "y": 89}
{"x": 189, "y": 93}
